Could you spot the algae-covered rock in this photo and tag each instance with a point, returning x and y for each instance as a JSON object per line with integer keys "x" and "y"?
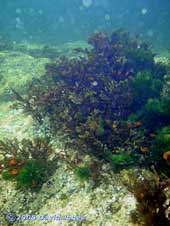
{"x": 16, "y": 70}
{"x": 65, "y": 197}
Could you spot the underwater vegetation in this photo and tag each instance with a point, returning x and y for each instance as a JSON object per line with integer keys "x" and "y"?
{"x": 82, "y": 172}
{"x": 32, "y": 174}
{"x": 114, "y": 104}
{"x": 145, "y": 86}
{"x": 161, "y": 142}
{"x": 160, "y": 151}
{"x": 26, "y": 162}
{"x": 121, "y": 159}
{"x": 88, "y": 100}
{"x": 152, "y": 195}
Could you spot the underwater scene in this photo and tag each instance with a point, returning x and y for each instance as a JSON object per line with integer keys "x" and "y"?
{"x": 84, "y": 113}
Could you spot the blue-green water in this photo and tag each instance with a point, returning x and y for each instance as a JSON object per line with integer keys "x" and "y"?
{"x": 60, "y": 21}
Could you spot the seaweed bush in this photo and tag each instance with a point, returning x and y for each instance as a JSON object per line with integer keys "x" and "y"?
{"x": 155, "y": 114}
{"x": 145, "y": 86}
{"x": 162, "y": 140}
{"x": 160, "y": 151}
{"x": 83, "y": 172}
{"x": 26, "y": 162}
{"x": 31, "y": 174}
{"x": 152, "y": 196}
{"x": 88, "y": 100}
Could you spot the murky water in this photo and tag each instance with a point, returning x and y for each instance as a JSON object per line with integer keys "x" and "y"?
{"x": 62, "y": 21}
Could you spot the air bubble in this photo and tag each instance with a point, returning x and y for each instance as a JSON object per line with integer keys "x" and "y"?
{"x": 87, "y": 3}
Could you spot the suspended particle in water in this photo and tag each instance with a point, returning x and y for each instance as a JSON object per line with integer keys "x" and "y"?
{"x": 87, "y": 3}
{"x": 144, "y": 11}
{"x": 40, "y": 11}
{"x": 19, "y": 23}
{"x": 18, "y": 20}
{"x": 150, "y": 33}
{"x": 18, "y": 11}
{"x": 61, "y": 19}
{"x": 107, "y": 17}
